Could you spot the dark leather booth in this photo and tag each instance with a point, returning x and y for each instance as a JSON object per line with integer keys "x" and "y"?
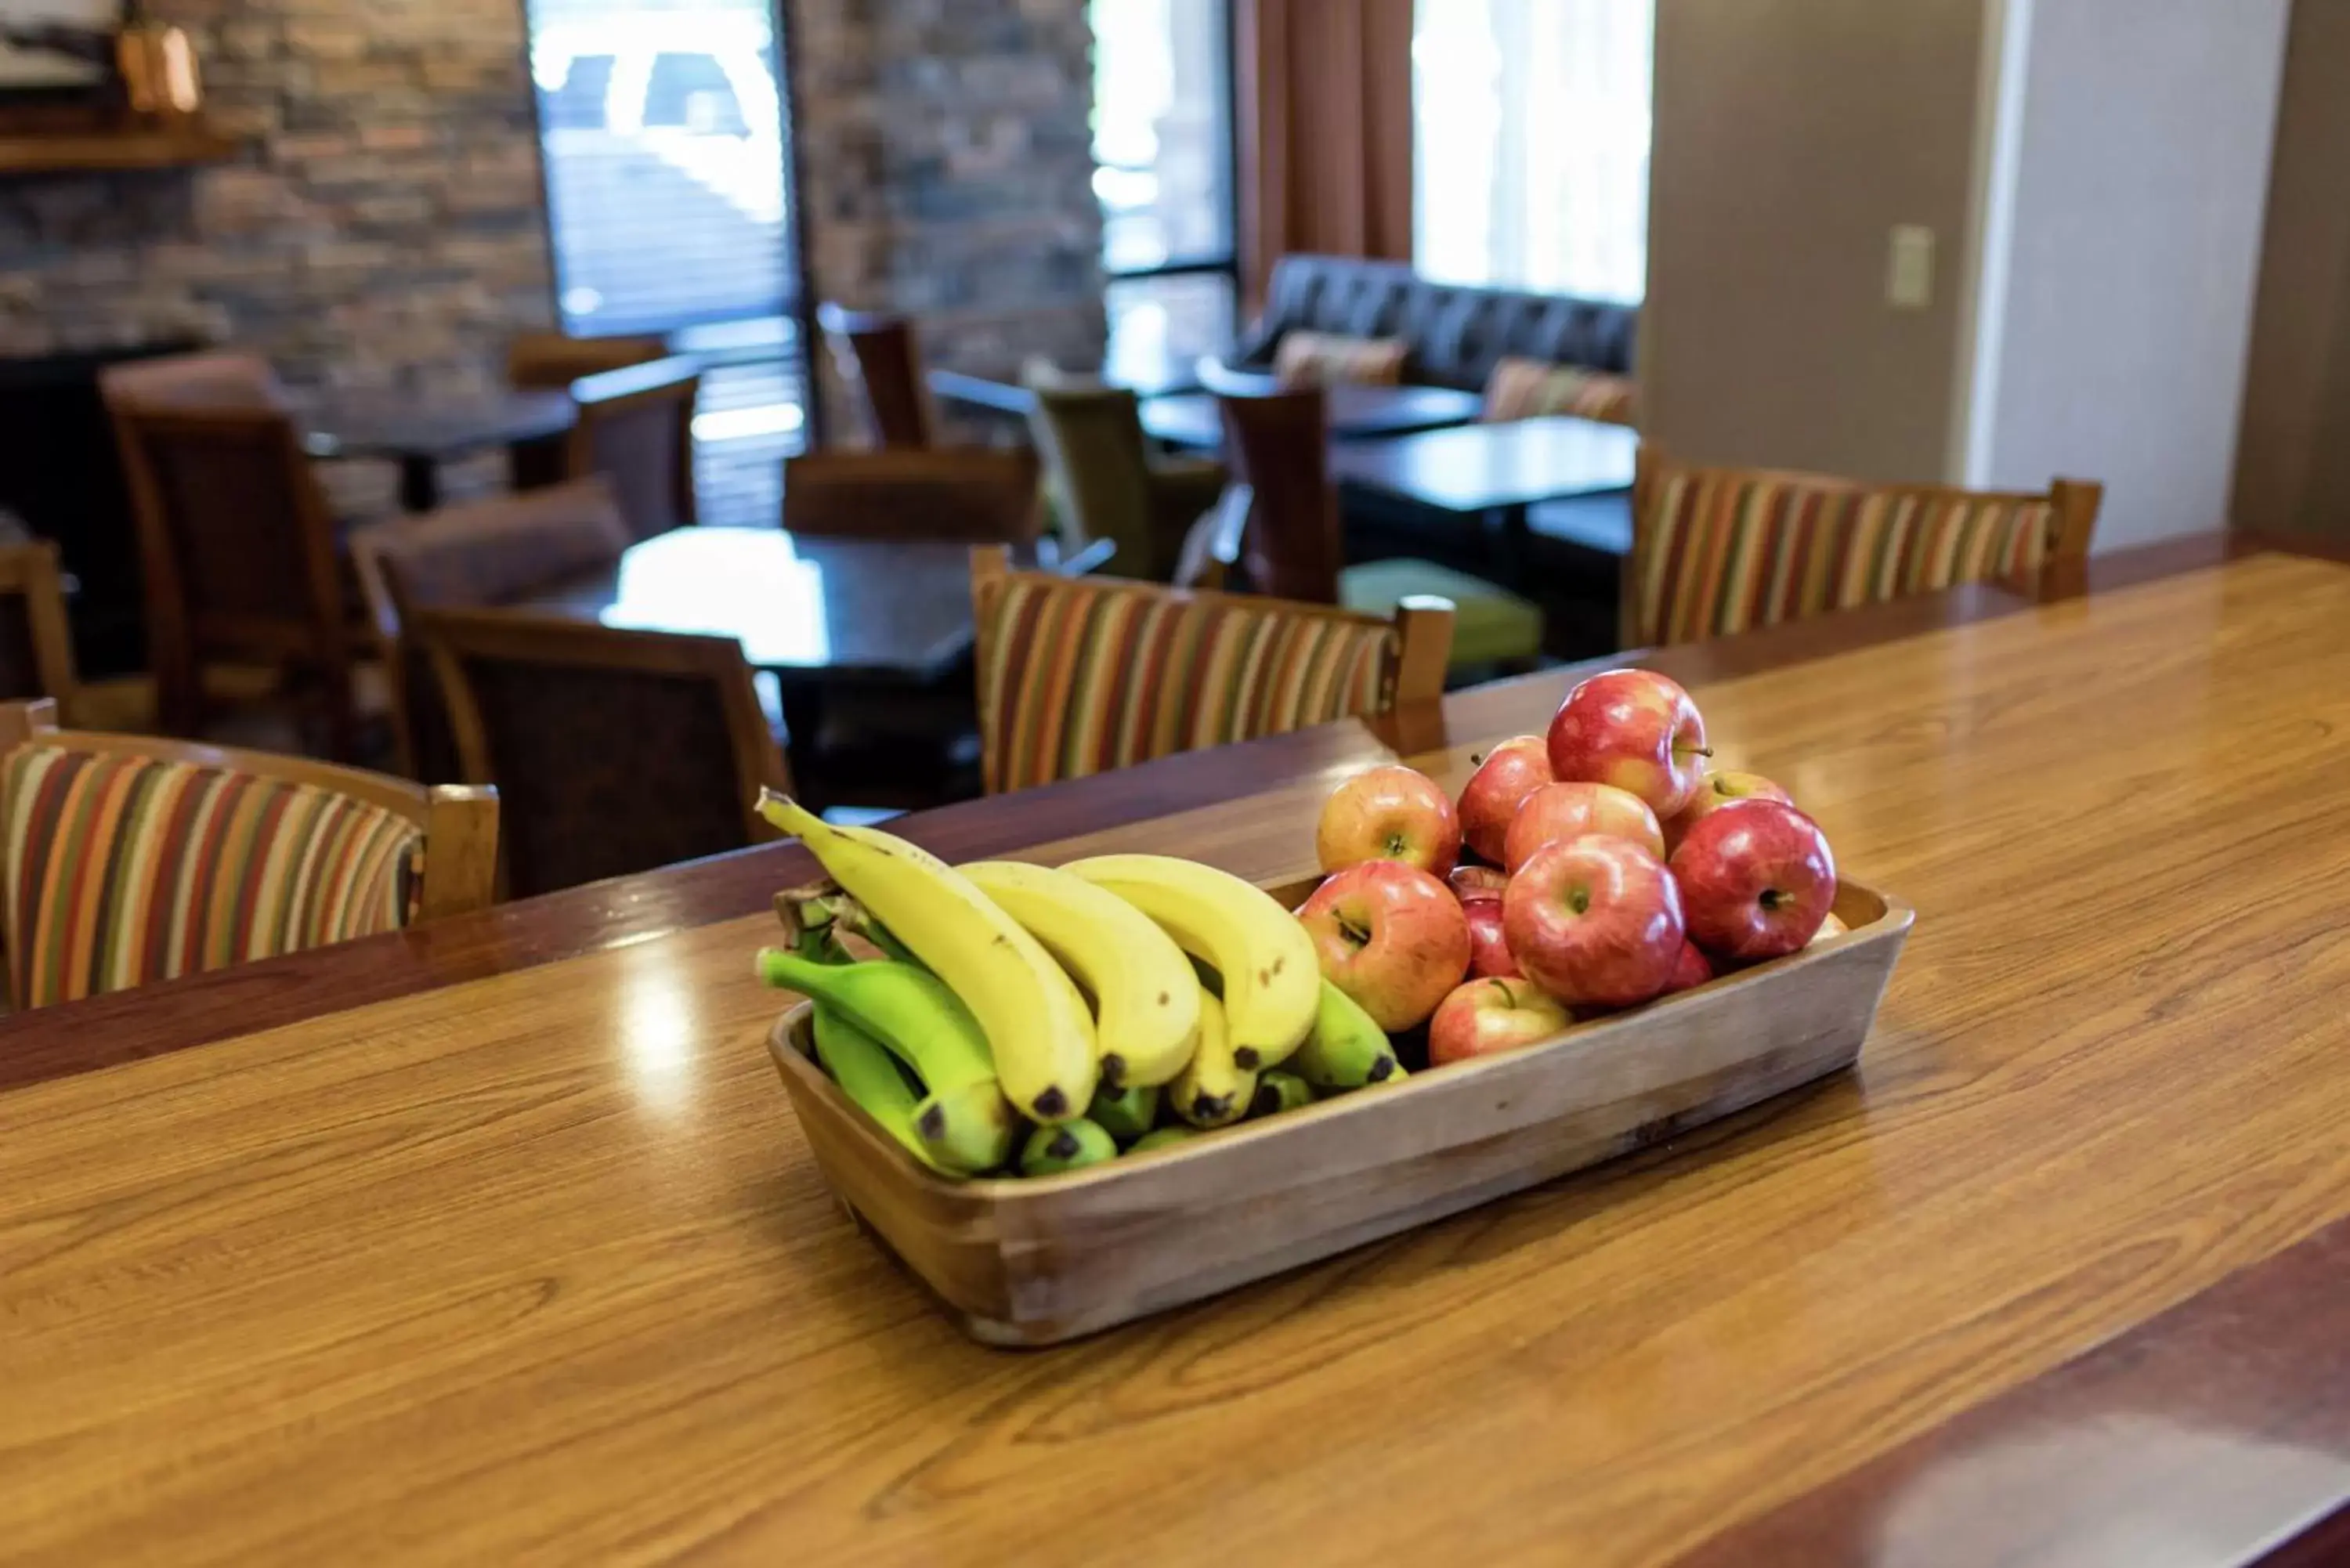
{"x": 1456, "y": 333}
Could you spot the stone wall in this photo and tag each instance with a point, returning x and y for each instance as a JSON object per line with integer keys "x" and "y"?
{"x": 947, "y": 169}
{"x": 383, "y": 228}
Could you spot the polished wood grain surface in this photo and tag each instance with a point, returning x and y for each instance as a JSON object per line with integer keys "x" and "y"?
{"x": 538, "y": 1266}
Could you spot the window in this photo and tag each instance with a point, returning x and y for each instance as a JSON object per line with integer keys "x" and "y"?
{"x": 1531, "y": 120}
{"x": 663, "y": 136}
{"x": 1163, "y": 155}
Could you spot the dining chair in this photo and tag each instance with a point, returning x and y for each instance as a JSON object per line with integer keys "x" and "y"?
{"x": 237, "y": 546}
{"x": 879, "y": 358}
{"x": 215, "y": 378}
{"x": 615, "y": 750}
{"x": 130, "y": 860}
{"x": 1081, "y": 675}
{"x": 974, "y": 495}
{"x": 1717, "y": 551}
{"x": 37, "y": 654}
{"x": 550, "y": 361}
{"x": 1291, "y": 545}
{"x": 1106, "y": 484}
{"x": 636, "y": 429}
{"x": 480, "y": 555}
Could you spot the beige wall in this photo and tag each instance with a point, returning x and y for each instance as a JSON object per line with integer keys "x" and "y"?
{"x": 1791, "y": 137}
{"x": 2293, "y": 462}
{"x": 2133, "y": 241}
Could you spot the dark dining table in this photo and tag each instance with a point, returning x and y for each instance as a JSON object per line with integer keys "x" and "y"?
{"x": 804, "y": 607}
{"x": 1495, "y": 475}
{"x": 420, "y": 436}
{"x": 1193, "y": 421}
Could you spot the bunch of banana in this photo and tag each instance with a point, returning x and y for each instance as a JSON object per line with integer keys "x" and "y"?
{"x": 963, "y": 1125}
{"x": 1271, "y": 980}
{"x": 1035, "y": 1022}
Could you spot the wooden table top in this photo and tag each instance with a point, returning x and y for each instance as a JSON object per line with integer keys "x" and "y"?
{"x": 498, "y": 1243}
{"x": 406, "y": 431}
{"x": 1482, "y": 468}
{"x": 873, "y": 609}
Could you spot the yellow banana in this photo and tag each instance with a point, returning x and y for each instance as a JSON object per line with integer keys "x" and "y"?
{"x": 1146, "y": 1002}
{"x": 1037, "y": 1025}
{"x": 1213, "y": 1090}
{"x": 1273, "y": 982}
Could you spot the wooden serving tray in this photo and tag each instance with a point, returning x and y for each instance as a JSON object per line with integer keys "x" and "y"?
{"x": 1036, "y": 1262}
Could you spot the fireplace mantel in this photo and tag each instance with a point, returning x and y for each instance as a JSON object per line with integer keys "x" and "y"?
{"x": 54, "y": 152}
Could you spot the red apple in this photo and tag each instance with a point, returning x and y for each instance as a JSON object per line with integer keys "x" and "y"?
{"x": 1757, "y": 878}
{"x": 1571, "y": 810}
{"x": 1691, "y": 970}
{"x": 1487, "y": 1017}
{"x": 1633, "y": 729}
{"x": 1470, "y": 883}
{"x": 1490, "y": 800}
{"x": 1389, "y": 813}
{"x": 1595, "y": 921}
{"x": 1390, "y": 936}
{"x": 1719, "y": 789}
{"x": 1489, "y": 948}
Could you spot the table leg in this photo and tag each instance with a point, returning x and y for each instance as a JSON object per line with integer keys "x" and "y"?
{"x": 1507, "y": 532}
{"x": 803, "y": 705}
{"x": 419, "y": 482}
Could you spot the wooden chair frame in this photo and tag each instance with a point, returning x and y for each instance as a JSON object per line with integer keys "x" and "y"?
{"x": 610, "y": 394}
{"x": 179, "y": 640}
{"x": 460, "y": 823}
{"x": 377, "y": 550}
{"x": 551, "y": 361}
{"x": 1016, "y": 468}
{"x": 853, "y": 336}
{"x": 30, "y": 571}
{"x": 1415, "y": 672}
{"x": 451, "y": 636}
{"x": 2076, "y": 503}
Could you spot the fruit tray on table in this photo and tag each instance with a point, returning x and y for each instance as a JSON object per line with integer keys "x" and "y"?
{"x": 1038, "y": 1260}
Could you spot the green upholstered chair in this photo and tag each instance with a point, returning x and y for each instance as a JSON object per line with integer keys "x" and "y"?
{"x": 1105, "y": 484}
{"x": 1290, "y": 545}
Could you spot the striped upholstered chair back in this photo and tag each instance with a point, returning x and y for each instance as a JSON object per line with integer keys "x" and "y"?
{"x": 1720, "y": 550}
{"x": 1081, "y": 675}
{"x": 125, "y": 860}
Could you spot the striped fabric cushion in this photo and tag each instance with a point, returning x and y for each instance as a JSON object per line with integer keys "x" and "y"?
{"x": 1530, "y": 389}
{"x": 1081, "y": 678}
{"x": 1721, "y": 552}
{"x": 123, "y": 870}
{"x": 1325, "y": 359}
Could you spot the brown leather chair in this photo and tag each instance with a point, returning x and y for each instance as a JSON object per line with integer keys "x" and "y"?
{"x": 636, "y": 429}
{"x": 1292, "y": 545}
{"x": 550, "y": 361}
{"x": 36, "y": 655}
{"x": 973, "y": 495}
{"x": 237, "y": 543}
{"x": 481, "y": 555}
{"x": 881, "y": 358}
{"x": 614, "y": 752}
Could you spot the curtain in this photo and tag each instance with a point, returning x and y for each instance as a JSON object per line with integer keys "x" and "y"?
{"x": 1534, "y": 144}
{"x": 1325, "y": 126}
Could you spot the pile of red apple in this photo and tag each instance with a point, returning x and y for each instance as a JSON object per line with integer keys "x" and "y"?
{"x": 1610, "y": 867}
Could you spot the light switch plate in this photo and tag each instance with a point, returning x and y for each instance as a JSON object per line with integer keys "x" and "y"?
{"x": 1909, "y": 269}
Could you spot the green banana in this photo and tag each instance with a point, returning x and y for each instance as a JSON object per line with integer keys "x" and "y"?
{"x": 908, "y": 1010}
{"x": 968, "y": 1130}
{"x": 1165, "y": 1137}
{"x": 1040, "y": 1035}
{"x": 1127, "y": 1115}
{"x": 1278, "y": 1091}
{"x": 1070, "y": 1145}
{"x": 862, "y": 1066}
{"x": 1213, "y": 1089}
{"x": 1346, "y": 1050}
